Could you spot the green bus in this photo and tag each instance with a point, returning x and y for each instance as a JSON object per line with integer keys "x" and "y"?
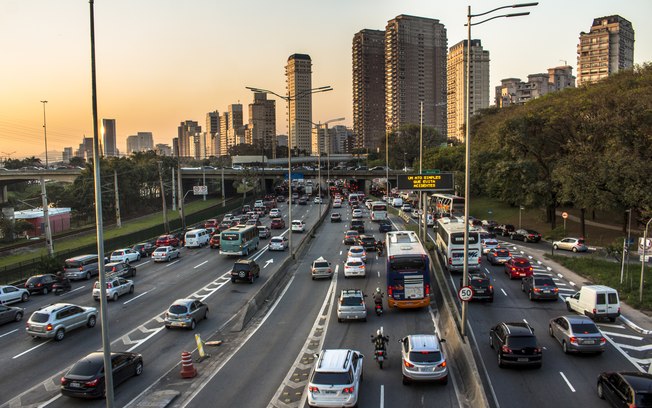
{"x": 239, "y": 240}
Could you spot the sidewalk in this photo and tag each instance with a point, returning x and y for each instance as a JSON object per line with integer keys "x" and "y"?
{"x": 612, "y": 227}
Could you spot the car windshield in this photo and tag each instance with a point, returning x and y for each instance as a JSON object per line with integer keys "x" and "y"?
{"x": 356, "y": 250}
{"x": 332, "y": 378}
{"x": 74, "y": 264}
{"x": 39, "y": 317}
{"x": 160, "y": 250}
{"x": 86, "y": 368}
{"x": 517, "y": 342}
{"x": 230, "y": 236}
{"x": 425, "y": 356}
{"x": 351, "y": 301}
{"x": 177, "y": 309}
{"x": 584, "y": 328}
{"x": 502, "y": 253}
{"x": 277, "y": 240}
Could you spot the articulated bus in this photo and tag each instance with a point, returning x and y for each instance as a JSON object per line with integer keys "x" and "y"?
{"x": 239, "y": 240}
{"x": 408, "y": 271}
{"x": 378, "y": 211}
{"x": 450, "y": 244}
{"x": 447, "y": 205}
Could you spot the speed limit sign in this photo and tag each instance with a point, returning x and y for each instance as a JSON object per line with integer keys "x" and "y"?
{"x": 465, "y": 293}
{"x": 564, "y": 215}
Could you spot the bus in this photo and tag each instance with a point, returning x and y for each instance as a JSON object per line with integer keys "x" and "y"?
{"x": 239, "y": 240}
{"x": 408, "y": 271}
{"x": 447, "y": 205}
{"x": 450, "y": 244}
{"x": 378, "y": 211}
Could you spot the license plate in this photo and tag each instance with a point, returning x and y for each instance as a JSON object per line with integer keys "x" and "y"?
{"x": 589, "y": 341}
{"x": 177, "y": 323}
{"x": 329, "y": 392}
{"x": 522, "y": 360}
{"x": 479, "y": 291}
{"x": 546, "y": 291}
{"x": 75, "y": 385}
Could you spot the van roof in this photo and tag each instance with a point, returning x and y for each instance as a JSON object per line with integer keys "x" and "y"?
{"x": 598, "y": 288}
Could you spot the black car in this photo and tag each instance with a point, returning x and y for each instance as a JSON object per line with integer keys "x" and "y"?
{"x": 515, "y": 344}
{"x": 357, "y": 225}
{"x": 280, "y": 199}
{"x": 145, "y": 249}
{"x": 481, "y": 285}
{"x": 540, "y": 287}
{"x": 40, "y": 283}
{"x": 526, "y": 235}
{"x": 384, "y": 226}
{"x": 504, "y": 229}
{"x": 120, "y": 269}
{"x": 626, "y": 389}
{"x": 86, "y": 378}
{"x": 245, "y": 269}
{"x": 303, "y": 200}
{"x": 368, "y": 242}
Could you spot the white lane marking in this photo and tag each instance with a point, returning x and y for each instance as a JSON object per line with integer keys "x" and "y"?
{"x": 625, "y": 336}
{"x": 503, "y": 290}
{"x": 560, "y": 275}
{"x": 141, "y": 341}
{"x": 172, "y": 263}
{"x": 8, "y": 333}
{"x": 197, "y": 266}
{"x": 77, "y": 289}
{"x": 646, "y": 347}
{"x": 33, "y": 348}
{"x": 144, "y": 263}
{"x": 378, "y": 274}
{"x": 571, "y": 283}
{"x": 46, "y": 403}
{"x": 382, "y": 396}
{"x": 618, "y": 326}
{"x": 340, "y": 252}
{"x": 567, "y": 382}
{"x": 134, "y": 298}
{"x": 526, "y": 322}
{"x": 484, "y": 368}
{"x": 487, "y": 269}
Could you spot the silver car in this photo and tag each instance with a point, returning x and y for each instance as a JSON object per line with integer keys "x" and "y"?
{"x": 571, "y": 244}
{"x": 423, "y": 359}
{"x": 115, "y": 287}
{"x": 185, "y": 313}
{"x": 488, "y": 244}
{"x": 54, "y": 321}
{"x": 351, "y": 306}
{"x": 577, "y": 334}
{"x": 321, "y": 268}
{"x": 165, "y": 253}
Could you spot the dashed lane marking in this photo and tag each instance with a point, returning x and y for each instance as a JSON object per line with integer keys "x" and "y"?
{"x": 567, "y": 382}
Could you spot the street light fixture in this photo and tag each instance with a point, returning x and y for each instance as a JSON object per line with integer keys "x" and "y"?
{"x": 289, "y": 98}
{"x": 467, "y": 141}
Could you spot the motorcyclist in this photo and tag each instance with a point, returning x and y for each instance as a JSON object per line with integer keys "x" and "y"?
{"x": 379, "y": 340}
{"x": 378, "y": 297}
{"x": 63, "y": 281}
{"x": 379, "y": 248}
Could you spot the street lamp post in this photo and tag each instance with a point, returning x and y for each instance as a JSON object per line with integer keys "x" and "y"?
{"x": 467, "y": 141}
{"x": 289, "y": 98}
{"x": 44, "y": 197}
{"x": 640, "y": 293}
{"x": 625, "y": 247}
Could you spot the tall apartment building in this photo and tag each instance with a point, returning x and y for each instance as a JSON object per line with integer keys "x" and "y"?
{"x": 415, "y": 71}
{"x": 163, "y": 149}
{"x": 298, "y": 72}
{"x": 606, "y": 49}
{"x": 235, "y": 133}
{"x": 456, "y": 85}
{"x": 85, "y": 149}
{"x": 109, "y": 137}
{"x": 67, "y": 154}
{"x": 189, "y": 139}
{"x": 340, "y": 139}
{"x": 262, "y": 123}
{"x": 213, "y": 133}
{"x": 369, "y": 88}
{"x": 224, "y": 131}
{"x": 140, "y": 142}
{"x": 513, "y": 91}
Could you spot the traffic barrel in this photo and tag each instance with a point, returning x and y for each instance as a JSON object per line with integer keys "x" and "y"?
{"x": 188, "y": 370}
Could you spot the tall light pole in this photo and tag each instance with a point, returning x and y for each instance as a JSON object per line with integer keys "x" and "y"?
{"x": 625, "y": 247}
{"x": 45, "y": 135}
{"x": 467, "y": 141}
{"x": 44, "y": 197}
{"x": 289, "y": 98}
{"x": 640, "y": 293}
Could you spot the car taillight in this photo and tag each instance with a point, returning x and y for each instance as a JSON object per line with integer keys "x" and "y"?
{"x": 348, "y": 390}
{"x": 442, "y": 365}
{"x": 390, "y": 291}
{"x": 92, "y": 383}
{"x": 109, "y": 285}
{"x": 603, "y": 340}
{"x": 408, "y": 364}
{"x": 506, "y": 349}
{"x": 537, "y": 290}
{"x": 427, "y": 290}
{"x": 64, "y": 381}
{"x": 49, "y": 327}
{"x": 555, "y": 290}
{"x": 312, "y": 388}
{"x": 450, "y": 261}
{"x": 573, "y": 340}
{"x": 362, "y": 267}
{"x": 513, "y": 269}
{"x": 530, "y": 269}
{"x": 594, "y": 311}
{"x": 537, "y": 350}
{"x": 491, "y": 288}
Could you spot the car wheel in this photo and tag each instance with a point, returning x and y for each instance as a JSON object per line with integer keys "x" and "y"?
{"x": 138, "y": 257}
{"x": 127, "y": 261}
{"x": 167, "y": 259}
{"x": 491, "y": 342}
{"x": 18, "y": 317}
{"x": 568, "y": 307}
{"x": 555, "y": 247}
{"x": 525, "y": 239}
{"x": 406, "y": 381}
{"x": 133, "y": 272}
{"x": 193, "y": 324}
{"x": 444, "y": 380}
{"x": 232, "y": 280}
{"x": 59, "y": 335}
{"x": 251, "y": 278}
{"x": 550, "y": 331}
{"x": 500, "y": 360}
{"x": 45, "y": 291}
{"x": 131, "y": 289}
{"x": 564, "y": 347}
{"x": 574, "y": 249}
{"x": 206, "y": 314}
{"x": 91, "y": 322}
{"x": 529, "y": 295}
{"x": 612, "y": 319}
{"x": 600, "y": 390}
{"x": 115, "y": 297}
{"x": 88, "y": 276}
{"x": 25, "y": 297}
{"x": 139, "y": 368}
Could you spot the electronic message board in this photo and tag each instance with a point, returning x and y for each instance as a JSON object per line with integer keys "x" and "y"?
{"x": 425, "y": 182}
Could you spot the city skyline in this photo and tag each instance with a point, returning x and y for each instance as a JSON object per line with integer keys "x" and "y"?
{"x": 153, "y": 76}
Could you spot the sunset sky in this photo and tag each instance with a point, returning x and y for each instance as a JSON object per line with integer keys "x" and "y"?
{"x": 162, "y": 62}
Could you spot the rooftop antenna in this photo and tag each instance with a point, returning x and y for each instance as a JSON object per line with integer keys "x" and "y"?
{"x": 564, "y": 61}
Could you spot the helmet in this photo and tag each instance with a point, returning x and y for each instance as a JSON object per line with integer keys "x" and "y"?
{"x": 377, "y": 290}
{"x": 379, "y": 332}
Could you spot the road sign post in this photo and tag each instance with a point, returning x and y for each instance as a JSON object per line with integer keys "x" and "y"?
{"x": 465, "y": 293}
{"x": 564, "y": 215}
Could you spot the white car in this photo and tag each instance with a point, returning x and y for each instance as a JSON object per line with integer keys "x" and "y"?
{"x": 278, "y": 243}
{"x": 337, "y": 203}
{"x": 165, "y": 253}
{"x": 125, "y": 255}
{"x": 317, "y": 200}
{"x": 115, "y": 287}
{"x": 259, "y": 204}
{"x": 274, "y": 212}
{"x": 406, "y": 208}
{"x": 357, "y": 251}
{"x": 354, "y": 267}
{"x": 10, "y": 294}
{"x": 357, "y": 213}
{"x": 298, "y": 226}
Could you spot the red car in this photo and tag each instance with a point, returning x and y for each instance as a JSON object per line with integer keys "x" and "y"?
{"x": 211, "y": 223}
{"x": 167, "y": 240}
{"x": 518, "y": 267}
{"x": 214, "y": 241}
{"x": 277, "y": 223}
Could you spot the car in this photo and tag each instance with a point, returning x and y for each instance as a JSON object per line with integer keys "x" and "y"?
{"x": 498, "y": 256}
{"x": 377, "y": 168}
{"x": 85, "y": 379}
{"x": 596, "y": 302}
{"x": 335, "y": 378}
{"x": 274, "y": 213}
{"x": 488, "y": 244}
{"x": 125, "y": 255}
{"x": 577, "y": 334}
{"x": 625, "y": 388}
{"x": 11, "y": 294}
{"x": 120, "y": 269}
{"x": 280, "y": 199}
{"x": 277, "y": 223}
{"x": 259, "y": 204}
{"x": 11, "y": 314}
{"x": 264, "y": 232}
{"x": 82, "y": 266}
{"x": 504, "y": 229}
{"x": 336, "y": 217}
{"x": 515, "y": 344}
{"x": 518, "y": 267}
{"x": 571, "y": 244}
{"x": 481, "y": 285}
{"x": 317, "y": 200}
{"x": 255, "y": 222}
{"x": 351, "y": 237}
{"x": 214, "y": 242}
{"x": 295, "y": 196}
{"x": 423, "y": 359}
{"x": 211, "y": 223}
{"x": 368, "y": 202}
{"x": 357, "y": 213}
{"x": 224, "y": 225}
{"x": 115, "y": 287}
{"x": 430, "y": 220}
{"x": 165, "y": 253}
{"x": 368, "y": 242}
{"x": 354, "y": 267}
{"x": 212, "y": 231}
{"x": 245, "y": 269}
{"x": 407, "y": 207}
{"x": 185, "y": 313}
{"x": 351, "y": 305}
{"x": 416, "y": 214}
{"x": 298, "y": 226}
{"x": 145, "y": 249}
{"x": 278, "y": 243}
{"x": 40, "y": 283}
{"x": 526, "y": 235}
{"x": 385, "y": 226}
{"x": 540, "y": 287}
{"x": 303, "y": 200}
{"x": 357, "y": 251}
{"x": 167, "y": 240}
{"x": 321, "y": 268}
{"x": 337, "y": 203}
{"x": 56, "y": 320}
{"x": 358, "y": 225}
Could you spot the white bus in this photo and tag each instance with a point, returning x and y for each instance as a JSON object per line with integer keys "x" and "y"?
{"x": 450, "y": 244}
{"x": 378, "y": 211}
{"x": 447, "y": 205}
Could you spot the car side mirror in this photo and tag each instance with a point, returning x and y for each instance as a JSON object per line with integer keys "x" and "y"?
{"x": 442, "y": 340}
{"x": 316, "y": 355}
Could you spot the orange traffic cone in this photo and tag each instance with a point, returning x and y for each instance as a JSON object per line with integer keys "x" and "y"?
{"x": 188, "y": 370}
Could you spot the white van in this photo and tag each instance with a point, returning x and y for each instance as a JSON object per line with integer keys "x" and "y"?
{"x": 595, "y": 301}
{"x": 397, "y": 202}
{"x": 196, "y": 238}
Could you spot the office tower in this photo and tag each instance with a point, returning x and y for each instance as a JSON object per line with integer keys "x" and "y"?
{"x": 299, "y": 83}
{"x": 85, "y": 150}
{"x": 163, "y": 149}
{"x": 341, "y": 139}
{"x": 456, "y": 85}
{"x": 67, "y": 154}
{"x": 235, "y": 132}
{"x": 369, "y": 88}
{"x": 513, "y": 91}
{"x": 262, "y": 124}
{"x": 319, "y": 140}
{"x": 415, "y": 71}
{"x": 141, "y": 142}
{"x": 607, "y": 48}
{"x": 109, "y": 137}
{"x": 188, "y": 139}
{"x": 224, "y": 131}
{"x": 282, "y": 141}
{"x": 213, "y": 133}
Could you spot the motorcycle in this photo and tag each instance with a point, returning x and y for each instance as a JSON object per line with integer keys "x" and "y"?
{"x": 61, "y": 287}
{"x": 380, "y": 350}
{"x": 379, "y": 355}
{"x": 379, "y": 309}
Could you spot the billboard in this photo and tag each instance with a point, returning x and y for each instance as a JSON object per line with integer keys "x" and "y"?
{"x": 425, "y": 182}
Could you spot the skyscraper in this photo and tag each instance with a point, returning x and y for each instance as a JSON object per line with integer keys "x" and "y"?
{"x": 188, "y": 139}
{"x": 456, "y": 85}
{"x": 369, "y": 88}
{"x": 235, "y": 133}
{"x": 109, "y": 137}
{"x": 415, "y": 71}
{"x": 262, "y": 123}
{"x": 606, "y": 49}
{"x": 213, "y": 133}
{"x": 224, "y": 131}
{"x": 141, "y": 142}
{"x": 299, "y": 83}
